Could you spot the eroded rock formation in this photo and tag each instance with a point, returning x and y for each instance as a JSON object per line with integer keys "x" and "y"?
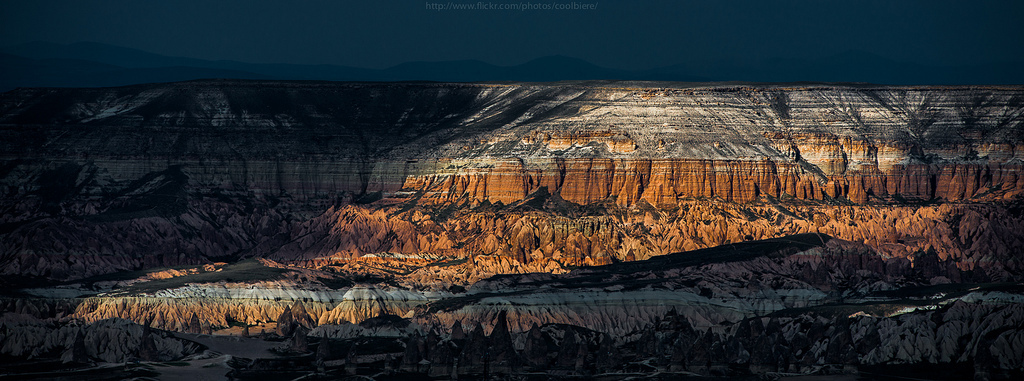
{"x": 110, "y": 340}
{"x": 447, "y": 229}
{"x": 215, "y": 170}
{"x": 521, "y": 240}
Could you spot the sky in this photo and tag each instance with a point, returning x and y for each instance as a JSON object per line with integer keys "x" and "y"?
{"x": 631, "y": 35}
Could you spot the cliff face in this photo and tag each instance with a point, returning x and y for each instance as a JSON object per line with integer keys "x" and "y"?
{"x": 661, "y": 182}
{"x": 643, "y": 227}
{"x": 585, "y": 142}
{"x": 866, "y": 145}
{"x": 101, "y": 180}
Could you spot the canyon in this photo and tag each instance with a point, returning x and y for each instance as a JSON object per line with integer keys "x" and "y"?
{"x": 572, "y": 228}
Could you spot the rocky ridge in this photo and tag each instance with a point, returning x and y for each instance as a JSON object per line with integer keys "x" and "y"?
{"x": 806, "y": 304}
{"x": 409, "y": 227}
{"x": 98, "y": 180}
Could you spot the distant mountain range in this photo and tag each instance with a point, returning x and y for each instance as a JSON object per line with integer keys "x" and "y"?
{"x": 88, "y": 64}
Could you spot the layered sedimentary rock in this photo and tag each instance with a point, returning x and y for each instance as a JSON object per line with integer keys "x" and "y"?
{"x": 521, "y": 240}
{"x": 576, "y": 228}
{"x": 806, "y": 303}
{"x": 662, "y": 182}
{"x": 742, "y": 143}
{"x": 218, "y": 308}
{"x": 100, "y": 180}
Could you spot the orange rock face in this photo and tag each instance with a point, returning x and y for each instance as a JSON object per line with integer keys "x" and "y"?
{"x": 662, "y": 182}
{"x": 973, "y": 235}
{"x": 532, "y": 174}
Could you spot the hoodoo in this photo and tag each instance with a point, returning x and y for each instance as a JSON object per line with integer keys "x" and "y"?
{"x": 658, "y": 227}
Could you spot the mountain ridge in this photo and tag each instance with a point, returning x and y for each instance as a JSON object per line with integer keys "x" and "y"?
{"x": 74, "y": 65}
{"x": 611, "y": 228}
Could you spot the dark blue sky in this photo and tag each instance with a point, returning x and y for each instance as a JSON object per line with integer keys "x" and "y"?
{"x": 618, "y": 34}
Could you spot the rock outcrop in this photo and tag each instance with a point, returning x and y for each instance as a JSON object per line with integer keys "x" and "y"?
{"x": 960, "y": 339}
{"x": 202, "y": 314}
{"x": 213, "y": 170}
{"x": 572, "y": 229}
{"x": 662, "y": 182}
{"x": 809, "y": 304}
{"x": 110, "y": 340}
{"x": 549, "y": 239}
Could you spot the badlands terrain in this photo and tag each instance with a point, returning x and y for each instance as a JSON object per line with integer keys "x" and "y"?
{"x": 573, "y": 230}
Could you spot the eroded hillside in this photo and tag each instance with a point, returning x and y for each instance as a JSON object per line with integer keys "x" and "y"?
{"x": 580, "y": 228}
{"x": 101, "y": 180}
